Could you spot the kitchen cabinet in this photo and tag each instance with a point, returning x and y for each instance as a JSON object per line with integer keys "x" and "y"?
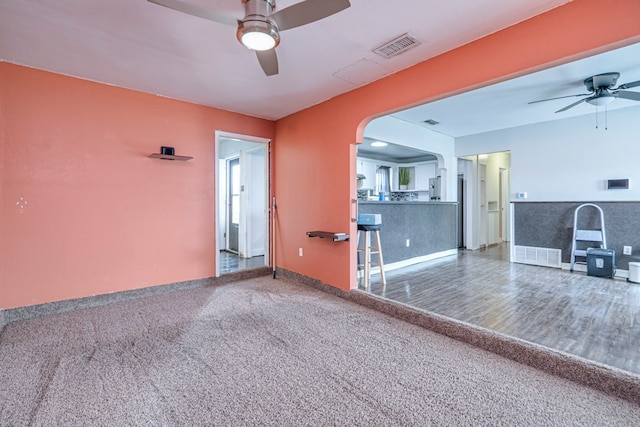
{"x": 419, "y": 174}
{"x": 423, "y": 172}
{"x": 368, "y": 169}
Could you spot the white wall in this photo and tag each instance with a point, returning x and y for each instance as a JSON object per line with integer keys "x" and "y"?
{"x": 569, "y": 159}
{"x": 399, "y": 132}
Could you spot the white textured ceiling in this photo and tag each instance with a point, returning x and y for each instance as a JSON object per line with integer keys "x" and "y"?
{"x": 139, "y": 45}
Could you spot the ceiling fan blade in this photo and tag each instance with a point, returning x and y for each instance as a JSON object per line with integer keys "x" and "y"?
{"x": 198, "y": 11}
{"x": 571, "y": 105}
{"x": 625, "y": 94}
{"x": 629, "y": 85}
{"x": 560, "y": 97}
{"x": 268, "y": 61}
{"x": 306, "y": 12}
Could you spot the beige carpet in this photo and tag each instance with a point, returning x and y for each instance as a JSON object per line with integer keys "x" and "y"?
{"x": 270, "y": 352}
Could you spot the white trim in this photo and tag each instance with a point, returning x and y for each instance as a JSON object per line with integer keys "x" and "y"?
{"x": 230, "y": 135}
{"x": 582, "y": 268}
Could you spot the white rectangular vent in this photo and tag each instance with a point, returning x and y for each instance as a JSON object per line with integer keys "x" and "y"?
{"x": 397, "y": 46}
{"x": 546, "y": 257}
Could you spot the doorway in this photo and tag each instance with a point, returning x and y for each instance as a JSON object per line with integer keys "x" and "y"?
{"x": 485, "y": 199}
{"x": 242, "y": 219}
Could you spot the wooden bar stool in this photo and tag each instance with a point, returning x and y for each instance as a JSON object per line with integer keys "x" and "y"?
{"x": 367, "y": 250}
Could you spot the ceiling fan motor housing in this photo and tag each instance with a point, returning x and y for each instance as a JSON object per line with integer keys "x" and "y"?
{"x": 256, "y": 20}
{"x": 260, "y": 28}
{"x": 601, "y": 81}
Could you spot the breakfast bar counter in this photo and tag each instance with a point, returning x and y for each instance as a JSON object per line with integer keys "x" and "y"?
{"x": 415, "y": 231}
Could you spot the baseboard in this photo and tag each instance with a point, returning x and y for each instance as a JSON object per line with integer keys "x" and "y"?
{"x": 22, "y": 313}
{"x": 411, "y": 261}
{"x": 582, "y": 268}
{"x": 288, "y": 275}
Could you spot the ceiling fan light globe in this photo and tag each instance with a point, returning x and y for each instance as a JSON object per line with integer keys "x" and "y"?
{"x": 258, "y": 35}
{"x": 379, "y": 144}
{"x": 601, "y": 100}
{"x": 256, "y": 40}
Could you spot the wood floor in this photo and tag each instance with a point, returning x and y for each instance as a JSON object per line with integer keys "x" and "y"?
{"x": 230, "y": 262}
{"x": 594, "y": 318}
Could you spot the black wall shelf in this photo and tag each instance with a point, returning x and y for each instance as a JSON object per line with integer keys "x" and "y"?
{"x": 336, "y": 237}
{"x": 168, "y": 153}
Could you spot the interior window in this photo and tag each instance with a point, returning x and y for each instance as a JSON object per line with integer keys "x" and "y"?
{"x": 383, "y": 179}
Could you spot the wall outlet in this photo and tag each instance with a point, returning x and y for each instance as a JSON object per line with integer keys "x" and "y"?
{"x": 626, "y": 250}
{"x": 408, "y": 243}
{"x": 299, "y": 251}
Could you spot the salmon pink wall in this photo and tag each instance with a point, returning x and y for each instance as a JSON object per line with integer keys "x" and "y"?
{"x": 314, "y": 161}
{"x": 314, "y": 186}
{"x": 84, "y": 210}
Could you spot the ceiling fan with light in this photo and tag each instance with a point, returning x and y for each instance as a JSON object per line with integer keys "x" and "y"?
{"x": 601, "y": 91}
{"x": 260, "y": 28}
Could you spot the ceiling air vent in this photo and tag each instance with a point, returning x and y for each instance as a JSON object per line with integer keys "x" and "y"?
{"x": 397, "y": 46}
{"x": 431, "y": 122}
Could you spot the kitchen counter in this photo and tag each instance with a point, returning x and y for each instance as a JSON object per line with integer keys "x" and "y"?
{"x": 430, "y": 226}
{"x": 405, "y": 202}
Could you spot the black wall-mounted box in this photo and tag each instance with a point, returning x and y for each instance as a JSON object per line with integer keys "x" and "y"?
{"x": 618, "y": 184}
{"x": 167, "y": 151}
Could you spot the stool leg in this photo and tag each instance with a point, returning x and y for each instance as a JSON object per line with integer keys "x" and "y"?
{"x": 367, "y": 259}
{"x": 380, "y": 262}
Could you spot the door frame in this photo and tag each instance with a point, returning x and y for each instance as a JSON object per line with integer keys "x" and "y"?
{"x": 503, "y": 182}
{"x": 219, "y": 134}
{"x": 227, "y": 208}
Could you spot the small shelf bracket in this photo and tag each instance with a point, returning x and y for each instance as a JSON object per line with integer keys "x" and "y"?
{"x": 169, "y": 157}
{"x": 336, "y": 237}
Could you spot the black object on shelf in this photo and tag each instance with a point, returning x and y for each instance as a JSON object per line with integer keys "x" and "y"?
{"x": 336, "y": 237}
{"x": 168, "y": 153}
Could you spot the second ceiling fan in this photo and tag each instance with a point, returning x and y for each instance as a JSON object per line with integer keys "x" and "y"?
{"x": 260, "y": 28}
{"x": 602, "y": 91}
